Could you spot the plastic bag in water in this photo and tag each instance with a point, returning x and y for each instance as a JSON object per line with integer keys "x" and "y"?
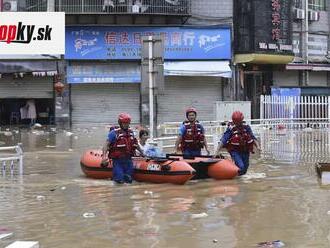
{"x": 271, "y": 244}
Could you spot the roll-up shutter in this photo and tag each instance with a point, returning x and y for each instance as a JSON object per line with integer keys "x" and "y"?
{"x": 318, "y": 78}
{"x": 101, "y": 103}
{"x": 26, "y": 87}
{"x": 182, "y": 92}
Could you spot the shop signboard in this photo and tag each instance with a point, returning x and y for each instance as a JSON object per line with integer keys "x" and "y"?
{"x": 124, "y": 43}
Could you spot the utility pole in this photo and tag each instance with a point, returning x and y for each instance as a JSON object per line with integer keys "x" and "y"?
{"x": 306, "y": 29}
{"x": 152, "y": 81}
{"x": 151, "y": 88}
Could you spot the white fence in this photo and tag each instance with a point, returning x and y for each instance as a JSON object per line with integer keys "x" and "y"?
{"x": 9, "y": 160}
{"x": 305, "y": 145}
{"x": 291, "y": 112}
{"x": 295, "y": 111}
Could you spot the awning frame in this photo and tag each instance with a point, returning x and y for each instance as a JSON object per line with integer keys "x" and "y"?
{"x": 198, "y": 68}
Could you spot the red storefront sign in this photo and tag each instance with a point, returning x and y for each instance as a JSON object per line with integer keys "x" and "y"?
{"x": 276, "y": 20}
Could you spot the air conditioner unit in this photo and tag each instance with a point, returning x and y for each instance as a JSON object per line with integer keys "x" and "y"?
{"x": 299, "y": 14}
{"x": 313, "y": 15}
{"x": 9, "y": 5}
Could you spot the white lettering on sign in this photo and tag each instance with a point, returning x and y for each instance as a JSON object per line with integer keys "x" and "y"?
{"x": 263, "y": 45}
{"x": 286, "y": 47}
{"x": 272, "y": 46}
{"x": 154, "y": 167}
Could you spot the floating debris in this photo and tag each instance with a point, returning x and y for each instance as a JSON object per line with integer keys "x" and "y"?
{"x": 41, "y": 197}
{"x": 24, "y": 244}
{"x": 37, "y": 125}
{"x": 271, "y": 244}
{"x": 48, "y": 146}
{"x": 250, "y": 176}
{"x": 5, "y": 235}
{"x": 325, "y": 178}
{"x": 198, "y": 216}
{"x": 8, "y": 133}
{"x": 148, "y": 192}
{"x": 89, "y": 215}
{"x": 68, "y": 134}
{"x": 38, "y": 132}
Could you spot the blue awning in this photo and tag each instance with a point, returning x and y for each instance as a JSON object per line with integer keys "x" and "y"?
{"x": 198, "y": 68}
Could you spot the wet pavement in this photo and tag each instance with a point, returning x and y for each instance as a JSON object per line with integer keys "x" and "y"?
{"x": 281, "y": 198}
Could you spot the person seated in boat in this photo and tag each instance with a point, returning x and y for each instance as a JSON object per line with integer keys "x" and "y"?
{"x": 191, "y": 138}
{"x": 239, "y": 140}
{"x": 149, "y": 150}
{"x": 121, "y": 146}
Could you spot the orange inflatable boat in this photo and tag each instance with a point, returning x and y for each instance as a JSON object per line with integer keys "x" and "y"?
{"x": 209, "y": 167}
{"x": 174, "y": 170}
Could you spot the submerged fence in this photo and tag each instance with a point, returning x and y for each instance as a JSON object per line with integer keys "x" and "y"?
{"x": 307, "y": 145}
{"x": 10, "y": 160}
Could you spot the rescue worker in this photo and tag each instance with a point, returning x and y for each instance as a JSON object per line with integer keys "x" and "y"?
{"x": 121, "y": 145}
{"x": 239, "y": 140}
{"x": 191, "y": 138}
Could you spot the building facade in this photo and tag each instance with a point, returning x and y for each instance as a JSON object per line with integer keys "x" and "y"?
{"x": 102, "y": 64}
{"x": 281, "y": 44}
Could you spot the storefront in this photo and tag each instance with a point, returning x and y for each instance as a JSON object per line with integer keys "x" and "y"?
{"x": 317, "y": 69}
{"x": 105, "y": 73}
{"x": 101, "y": 90}
{"x": 263, "y": 46}
{"x": 23, "y": 81}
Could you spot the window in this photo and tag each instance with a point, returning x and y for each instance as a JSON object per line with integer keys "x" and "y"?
{"x": 298, "y": 4}
{"x": 318, "y": 5}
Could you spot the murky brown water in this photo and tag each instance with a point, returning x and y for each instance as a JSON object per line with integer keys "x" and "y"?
{"x": 49, "y": 202}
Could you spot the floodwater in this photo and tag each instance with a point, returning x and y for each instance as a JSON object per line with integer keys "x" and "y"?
{"x": 281, "y": 198}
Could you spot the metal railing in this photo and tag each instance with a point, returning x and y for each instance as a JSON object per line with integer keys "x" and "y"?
{"x": 167, "y": 143}
{"x": 10, "y": 159}
{"x": 295, "y": 108}
{"x": 156, "y": 7}
{"x": 215, "y": 129}
{"x": 293, "y": 145}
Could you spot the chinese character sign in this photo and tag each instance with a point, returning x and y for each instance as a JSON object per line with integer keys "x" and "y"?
{"x": 276, "y": 20}
{"x": 125, "y": 42}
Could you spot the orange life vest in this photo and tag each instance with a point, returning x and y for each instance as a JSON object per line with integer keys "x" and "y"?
{"x": 240, "y": 140}
{"x": 193, "y": 138}
{"x": 125, "y": 144}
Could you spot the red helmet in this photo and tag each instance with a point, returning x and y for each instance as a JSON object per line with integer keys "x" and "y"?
{"x": 124, "y": 118}
{"x": 191, "y": 109}
{"x": 237, "y": 117}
